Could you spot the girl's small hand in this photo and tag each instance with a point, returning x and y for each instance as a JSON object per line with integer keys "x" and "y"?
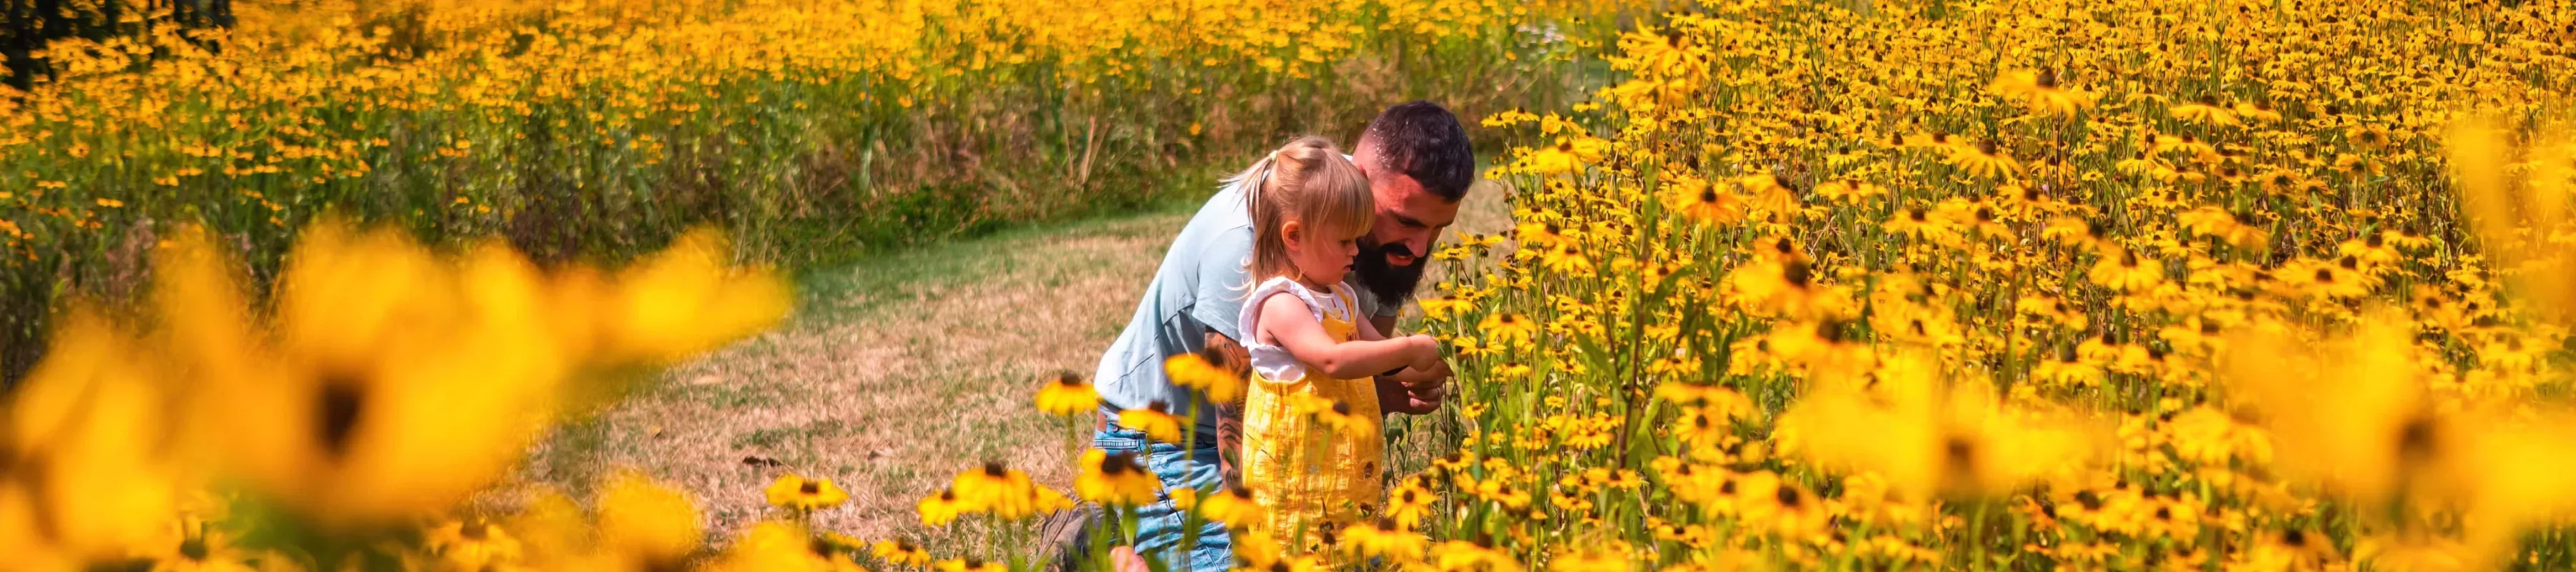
{"x": 1426, "y": 351}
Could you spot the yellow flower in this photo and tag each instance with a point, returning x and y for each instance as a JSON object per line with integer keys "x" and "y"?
{"x": 804, "y": 495}
{"x": 900, "y": 552}
{"x": 649, "y": 522}
{"x": 1256, "y": 549}
{"x": 1115, "y": 480}
{"x": 2205, "y": 112}
{"x": 2041, "y": 92}
{"x": 783, "y": 546}
{"x": 1004, "y": 492}
{"x": 940, "y": 508}
{"x": 473, "y": 545}
{"x": 1201, "y": 373}
{"x": 2121, "y": 270}
{"x": 1439, "y": 308}
{"x": 1068, "y": 395}
{"x": 396, "y": 384}
{"x": 1408, "y": 504}
{"x": 685, "y": 300}
{"x": 969, "y": 565}
{"x": 85, "y": 431}
{"x": 1387, "y": 541}
{"x": 1235, "y": 507}
{"x": 1984, "y": 160}
{"x": 1592, "y": 559}
{"x": 1515, "y": 327}
{"x": 1153, "y": 421}
{"x": 1704, "y": 203}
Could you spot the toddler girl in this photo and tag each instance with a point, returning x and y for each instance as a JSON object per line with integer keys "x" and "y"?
{"x": 1311, "y": 447}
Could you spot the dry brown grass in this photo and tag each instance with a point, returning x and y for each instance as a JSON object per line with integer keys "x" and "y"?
{"x": 899, "y": 372}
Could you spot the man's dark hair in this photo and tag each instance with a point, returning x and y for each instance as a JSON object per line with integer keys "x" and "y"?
{"x": 1425, "y": 142}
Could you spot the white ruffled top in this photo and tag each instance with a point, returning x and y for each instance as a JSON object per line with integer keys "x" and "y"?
{"x": 1272, "y": 361}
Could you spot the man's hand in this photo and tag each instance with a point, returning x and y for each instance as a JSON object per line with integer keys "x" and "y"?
{"x": 1124, "y": 559}
{"x": 1227, "y": 355}
{"x": 1413, "y": 391}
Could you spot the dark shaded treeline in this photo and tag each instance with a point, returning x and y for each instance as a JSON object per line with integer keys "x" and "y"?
{"x": 26, "y": 26}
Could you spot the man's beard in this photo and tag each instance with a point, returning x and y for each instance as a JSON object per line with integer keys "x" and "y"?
{"x": 1390, "y": 283}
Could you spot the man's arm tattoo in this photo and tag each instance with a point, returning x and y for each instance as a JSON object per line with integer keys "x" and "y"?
{"x": 1227, "y": 355}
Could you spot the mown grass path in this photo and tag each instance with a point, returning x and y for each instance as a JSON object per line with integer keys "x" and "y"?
{"x": 897, "y": 372}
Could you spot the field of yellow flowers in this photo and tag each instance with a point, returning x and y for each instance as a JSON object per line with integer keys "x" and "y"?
{"x": 295, "y": 295}
{"x": 600, "y": 130}
{"x": 2025, "y": 285}
{"x": 1969, "y": 285}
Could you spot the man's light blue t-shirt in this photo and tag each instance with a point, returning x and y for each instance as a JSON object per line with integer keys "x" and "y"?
{"x": 1199, "y": 289}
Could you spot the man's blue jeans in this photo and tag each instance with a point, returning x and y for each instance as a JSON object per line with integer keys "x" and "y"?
{"x": 1159, "y": 527}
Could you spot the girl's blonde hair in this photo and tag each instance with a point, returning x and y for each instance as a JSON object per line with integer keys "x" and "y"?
{"x": 1308, "y": 181}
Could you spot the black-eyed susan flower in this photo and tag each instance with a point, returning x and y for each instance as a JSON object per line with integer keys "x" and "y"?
{"x": 1985, "y": 159}
{"x": 940, "y": 508}
{"x": 1383, "y": 540}
{"x": 2040, "y": 91}
{"x": 2122, "y": 270}
{"x": 1004, "y": 492}
{"x": 1067, "y": 394}
{"x": 647, "y": 522}
{"x": 1235, "y": 506}
{"x": 2206, "y": 111}
{"x": 1154, "y": 421}
{"x": 1115, "y": 479}
{"x": 1408, "y": 504}
{"x": 1201, "y": 372}
{"x": 470, "y": 544}
{"x": 969, "y": 564}
{"x": 800, "y": 494}
{"x": 900, "y": 552}
{"x": 1442, "y": 306}
{"x": 1698, "y": 201}
{"x": 1517, "y": 328}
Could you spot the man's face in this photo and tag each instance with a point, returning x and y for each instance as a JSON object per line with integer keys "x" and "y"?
{"x": 1398, "y": 247}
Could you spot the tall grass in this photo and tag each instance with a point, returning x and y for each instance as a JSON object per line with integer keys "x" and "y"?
{"x": 597, "y": 131}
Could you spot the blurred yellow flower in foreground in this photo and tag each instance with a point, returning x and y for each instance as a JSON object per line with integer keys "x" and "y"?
{"x": 83, "y": 457}
{"x": 390, "y": 381}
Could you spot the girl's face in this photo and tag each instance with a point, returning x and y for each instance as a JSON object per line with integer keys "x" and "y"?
{"x": 1322, "y": 258}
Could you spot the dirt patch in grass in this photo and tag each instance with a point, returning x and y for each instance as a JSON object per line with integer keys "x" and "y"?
{"x": 898, "y": 372}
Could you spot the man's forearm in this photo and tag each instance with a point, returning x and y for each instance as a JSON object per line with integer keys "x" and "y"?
{"x": 1227, "y": 355}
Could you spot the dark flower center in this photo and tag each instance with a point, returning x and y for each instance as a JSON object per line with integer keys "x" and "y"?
{"x": 339, "y": 405}
{"x": 1798, "y": 274}
{"x": 1118, "y": 463}
{"x": 2415, "y": 439}
{"x": 810, "y": 488}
